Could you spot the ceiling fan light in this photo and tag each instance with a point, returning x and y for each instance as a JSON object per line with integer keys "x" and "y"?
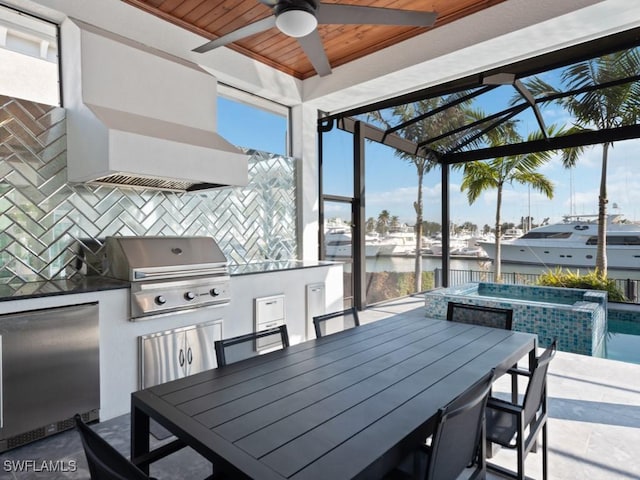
{"x": 296, "y": 23}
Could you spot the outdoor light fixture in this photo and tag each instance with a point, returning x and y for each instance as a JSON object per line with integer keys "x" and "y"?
{"x": 296, "y": 22}
{"x": 298, "y": 19}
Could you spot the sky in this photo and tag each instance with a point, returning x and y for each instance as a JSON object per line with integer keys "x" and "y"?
{"x": 391, "y": 183}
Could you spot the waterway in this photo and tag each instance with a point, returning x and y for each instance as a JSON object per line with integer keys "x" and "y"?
{"x": 406, "y": 264}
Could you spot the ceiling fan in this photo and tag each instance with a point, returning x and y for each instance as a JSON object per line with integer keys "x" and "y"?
{"x": 300, "y": 19}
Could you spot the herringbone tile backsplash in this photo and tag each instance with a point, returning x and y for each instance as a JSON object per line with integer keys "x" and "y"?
{"x": 44, "y": 219}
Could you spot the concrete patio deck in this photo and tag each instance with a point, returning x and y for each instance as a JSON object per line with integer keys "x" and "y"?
{"x": 594, "y": 425}
{"x": 594, "y": 410}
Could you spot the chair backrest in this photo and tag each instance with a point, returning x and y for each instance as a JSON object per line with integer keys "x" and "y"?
{"x": 459, "y": 432}
{"x": 335, "y": 322}
{"x": 105, "y": 462}
{"x": 480, "y": 315}
{"x": 231, "y": 350}
{"x": 535, "y": 393}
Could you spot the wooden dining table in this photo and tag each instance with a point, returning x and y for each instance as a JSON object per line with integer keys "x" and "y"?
{"x": 348, "y": 405}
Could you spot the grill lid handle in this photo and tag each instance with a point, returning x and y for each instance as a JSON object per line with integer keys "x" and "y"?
{"x": 150, "y": 274}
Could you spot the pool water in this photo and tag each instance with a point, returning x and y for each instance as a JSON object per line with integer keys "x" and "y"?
{"x": 623, "y": 341}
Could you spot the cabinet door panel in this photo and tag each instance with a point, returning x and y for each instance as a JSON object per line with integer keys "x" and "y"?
{"x": 200, "y": 349}
{"x": 163, "y": 358}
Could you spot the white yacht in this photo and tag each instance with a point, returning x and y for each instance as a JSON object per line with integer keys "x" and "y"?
{"x": 399, "y": 242}
{"x": 338, "y": 243}
{"x": 464, "y": 245}
{"x": 573, "y": 242}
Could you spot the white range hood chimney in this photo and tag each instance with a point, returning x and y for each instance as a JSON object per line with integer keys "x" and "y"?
{"x": 137, "y": 117}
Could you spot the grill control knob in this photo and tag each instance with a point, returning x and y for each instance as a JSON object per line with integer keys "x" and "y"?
{"x": 160, "y": 300}
{"x": 189, "y": 296}
{"x": 215, "y": 292}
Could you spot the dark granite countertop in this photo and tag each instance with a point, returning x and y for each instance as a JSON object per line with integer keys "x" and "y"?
{"x": 277, "y": 265}
{"x": 24, "y": 290}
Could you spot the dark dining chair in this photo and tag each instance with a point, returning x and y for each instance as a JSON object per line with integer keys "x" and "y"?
{"x": 516, "y": 426}
{"x": 105, "y": 462}
{"x": 487, "y": 317}
{"x": 458, "y": 440}
{"x": 335, "y": 321}
{"x": 231, "y": 350}
{"x": 480, "y": 315}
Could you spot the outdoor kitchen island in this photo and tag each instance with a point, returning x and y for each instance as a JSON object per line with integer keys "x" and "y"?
{"x": 119, "y": 337}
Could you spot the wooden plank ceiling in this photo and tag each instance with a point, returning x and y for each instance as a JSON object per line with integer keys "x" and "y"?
{"x": 343, "y": 43}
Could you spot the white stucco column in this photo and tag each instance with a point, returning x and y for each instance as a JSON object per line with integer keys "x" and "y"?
{"x": 304, "y": 141}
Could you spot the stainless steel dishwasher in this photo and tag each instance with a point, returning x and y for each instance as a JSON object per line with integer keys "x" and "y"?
{"x": 49, "y": 370}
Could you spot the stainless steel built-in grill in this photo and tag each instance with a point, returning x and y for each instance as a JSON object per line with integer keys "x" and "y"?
{"x": 169, "y": 274}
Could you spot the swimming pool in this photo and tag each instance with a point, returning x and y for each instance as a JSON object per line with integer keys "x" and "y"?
{"x": 577, "y": 318}
{"x": 622, "y": 341}
{"x": 582, "y": 320}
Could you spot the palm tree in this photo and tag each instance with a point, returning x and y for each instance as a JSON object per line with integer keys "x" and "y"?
{"x": 596, "y": 110}
{"x": 383, "y": 222}
{"x": 479, "y": 176}
{"x": 371, "y": 225}
{"x": 417, "y": 132}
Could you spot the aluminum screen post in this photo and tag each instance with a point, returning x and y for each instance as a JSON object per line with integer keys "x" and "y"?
{"x": 444, "y": 170}
{"x": 359, "y": 251}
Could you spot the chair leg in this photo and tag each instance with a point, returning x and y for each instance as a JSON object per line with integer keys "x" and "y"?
{"x": 514, "y": 386}
{"x": 520, "y": 446}
{"x": 482, "y": 460}
{"x": 544, "y": 451}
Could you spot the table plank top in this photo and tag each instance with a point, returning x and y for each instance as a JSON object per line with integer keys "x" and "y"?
{"x": 348, "y": 405}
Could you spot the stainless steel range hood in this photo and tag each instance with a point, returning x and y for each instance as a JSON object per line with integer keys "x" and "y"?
{"x": 137, "y": 117}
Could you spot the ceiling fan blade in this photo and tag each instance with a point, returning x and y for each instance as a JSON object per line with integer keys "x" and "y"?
{"x": 269, "y": 3}
{"x": 312, "y": 46}
{"x": 333, "y": 13}
{"x": 239, "y": 34}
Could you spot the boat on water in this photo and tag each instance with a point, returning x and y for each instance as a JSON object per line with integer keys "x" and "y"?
{"x": 338, "y": 243}
{"x": 469, "y": 251}
{"x": 573, "y": 243}
{"x": 466, "y": 245}
{"x": 401, "y": 241}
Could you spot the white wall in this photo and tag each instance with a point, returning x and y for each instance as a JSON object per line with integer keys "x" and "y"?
{"x": 305, "y": 148}
{"x": 29, "y": 78}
